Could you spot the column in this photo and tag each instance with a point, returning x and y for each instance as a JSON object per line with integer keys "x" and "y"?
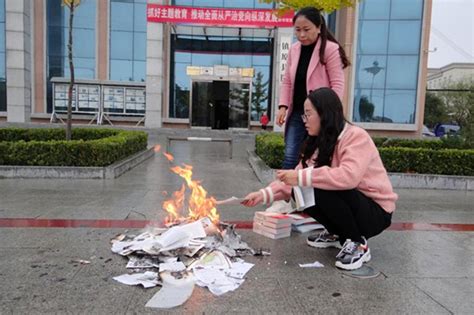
{"x": 154, "y": 73}
{"x": 18, "y": 59}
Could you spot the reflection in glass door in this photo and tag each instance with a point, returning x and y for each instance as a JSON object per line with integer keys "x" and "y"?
{"x": 220, "y": 104}
{"x": 201, "y": 103}
{"x": 239, "y": 100}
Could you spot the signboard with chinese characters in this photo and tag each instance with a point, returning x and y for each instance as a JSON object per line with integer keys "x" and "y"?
{"x": 85, "y": 98}
{"x": 285, "y": 43}
{"x": 113, "y": 99}
{"x": 135, "y": 101}
{"x": 248, "y": 72}
{"x": 193, "y": 70}
{"x": 221, "y": 70}
{"x": 61, "y": 97}
{"x": 89, "y": 98}
{"x": 124, "y": 100}
{"x": 217, "y": 16}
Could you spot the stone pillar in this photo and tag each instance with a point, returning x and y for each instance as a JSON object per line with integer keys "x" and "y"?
{"x": 18, "y": 59}
{"x": 154, "y": 73}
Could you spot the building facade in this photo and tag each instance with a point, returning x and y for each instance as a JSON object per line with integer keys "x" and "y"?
{"x": 440, "y": 78}
{"x": 131, "y": 69}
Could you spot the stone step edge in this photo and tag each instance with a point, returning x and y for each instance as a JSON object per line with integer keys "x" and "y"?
{"x": 70, "y": 172}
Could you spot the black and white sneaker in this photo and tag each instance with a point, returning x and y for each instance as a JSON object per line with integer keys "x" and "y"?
{"x": 353, "y": 255}
{"x": 323, "y": 240}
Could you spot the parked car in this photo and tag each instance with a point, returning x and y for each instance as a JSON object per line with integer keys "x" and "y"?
{"x": 425, "y": 132}
{"x": 441, "y": 130}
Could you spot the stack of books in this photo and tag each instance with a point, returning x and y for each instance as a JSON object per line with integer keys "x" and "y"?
{"x": 303, "y": 223}
{"x": 272, "y": 225}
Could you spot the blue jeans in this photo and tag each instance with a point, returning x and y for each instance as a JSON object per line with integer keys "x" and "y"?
{"x": 295, "y": 135}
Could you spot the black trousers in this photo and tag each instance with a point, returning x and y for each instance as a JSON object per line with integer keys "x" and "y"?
{"x": 349, "y": 214}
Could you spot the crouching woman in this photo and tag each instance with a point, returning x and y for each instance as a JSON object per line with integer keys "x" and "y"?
{"x": 354, "y": 199}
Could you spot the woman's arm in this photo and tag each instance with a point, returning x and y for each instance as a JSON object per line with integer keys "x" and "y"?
{"x": 275, "y": 191}
{"x": 334, "y": 69}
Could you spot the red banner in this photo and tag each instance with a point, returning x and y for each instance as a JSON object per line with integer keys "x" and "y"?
{"x": 217, "y": 16}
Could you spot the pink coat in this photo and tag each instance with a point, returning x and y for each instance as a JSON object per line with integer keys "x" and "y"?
{"x": 355, "y": 164}
{"x": 330, "y": 75}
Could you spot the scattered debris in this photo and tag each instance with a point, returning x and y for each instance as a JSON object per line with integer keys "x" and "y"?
{"x": 80, "y": 261}
{"x": 262, "y": 252}
{"x": 174, "y": 291}
{"x": 316, "y": 264}
{"x": 148, "y": 279}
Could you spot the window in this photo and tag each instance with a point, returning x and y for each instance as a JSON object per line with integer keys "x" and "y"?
{"x": 387, "y": 61}
{"x": 57, "y": 40}
{"x": 3, "y": 75}
{"x": 127, "y": 40}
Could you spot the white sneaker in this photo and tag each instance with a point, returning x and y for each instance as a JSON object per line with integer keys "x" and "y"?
{"x": 280, "y": 206}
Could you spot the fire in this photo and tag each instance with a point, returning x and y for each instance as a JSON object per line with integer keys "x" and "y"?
{"x": 199, "y": 205}
{"x": 174, "y": 206}
{"x": 168, "y": 156}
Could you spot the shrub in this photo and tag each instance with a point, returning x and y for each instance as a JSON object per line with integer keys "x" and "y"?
{"x": 89, "y": 147}
{"x": 428, "y": 161}
{"x": 446, "y": 156}
{"x": 435, "y": 144}
{"x": 270, "y": 146}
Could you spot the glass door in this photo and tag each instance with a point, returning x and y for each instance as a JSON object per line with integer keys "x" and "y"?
{"x": 219, "y": 104}
{"x": 201, "y": 104}
{"x": 239, "y": 102}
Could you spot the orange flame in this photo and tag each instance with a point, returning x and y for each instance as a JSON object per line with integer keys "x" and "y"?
{"x": 157, "y": 148}
{"x": 199, "y": 206}
{"x": 174, "y": 206}
{"x": 168, "y": 156}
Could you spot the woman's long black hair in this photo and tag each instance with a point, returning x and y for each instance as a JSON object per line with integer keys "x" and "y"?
{"x": 329, "y": 108}
{"x": 315, "y": 16}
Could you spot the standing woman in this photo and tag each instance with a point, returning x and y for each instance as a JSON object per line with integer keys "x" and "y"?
{"x": 316, "y": 60}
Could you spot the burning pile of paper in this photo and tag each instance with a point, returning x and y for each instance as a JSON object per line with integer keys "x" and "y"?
{"x": 196, "y": 248}
{"x": 184, "y": 255}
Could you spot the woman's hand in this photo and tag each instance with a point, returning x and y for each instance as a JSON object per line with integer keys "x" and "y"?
{"x": 281, "y": 116}
{"x": 289, "y": 177}
{"x": 253, "y": 199}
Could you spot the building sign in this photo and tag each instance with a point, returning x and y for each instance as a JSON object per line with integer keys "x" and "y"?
{"x": 217, "y": 16}
{"x": 220, "y": 71}
{"x": 193, "y": 70}
{"x": 285, "y": 43}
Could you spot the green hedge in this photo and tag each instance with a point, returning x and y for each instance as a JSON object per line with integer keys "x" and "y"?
{"x": 428, "y": 161}
{"x": 443, "y": 157}
{"x": 270, "y": 146}
{"x": 435, "y": 144}
{"x": 89, "y": 147}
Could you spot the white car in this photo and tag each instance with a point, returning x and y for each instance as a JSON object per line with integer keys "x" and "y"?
{"x": 425, "y": 132}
